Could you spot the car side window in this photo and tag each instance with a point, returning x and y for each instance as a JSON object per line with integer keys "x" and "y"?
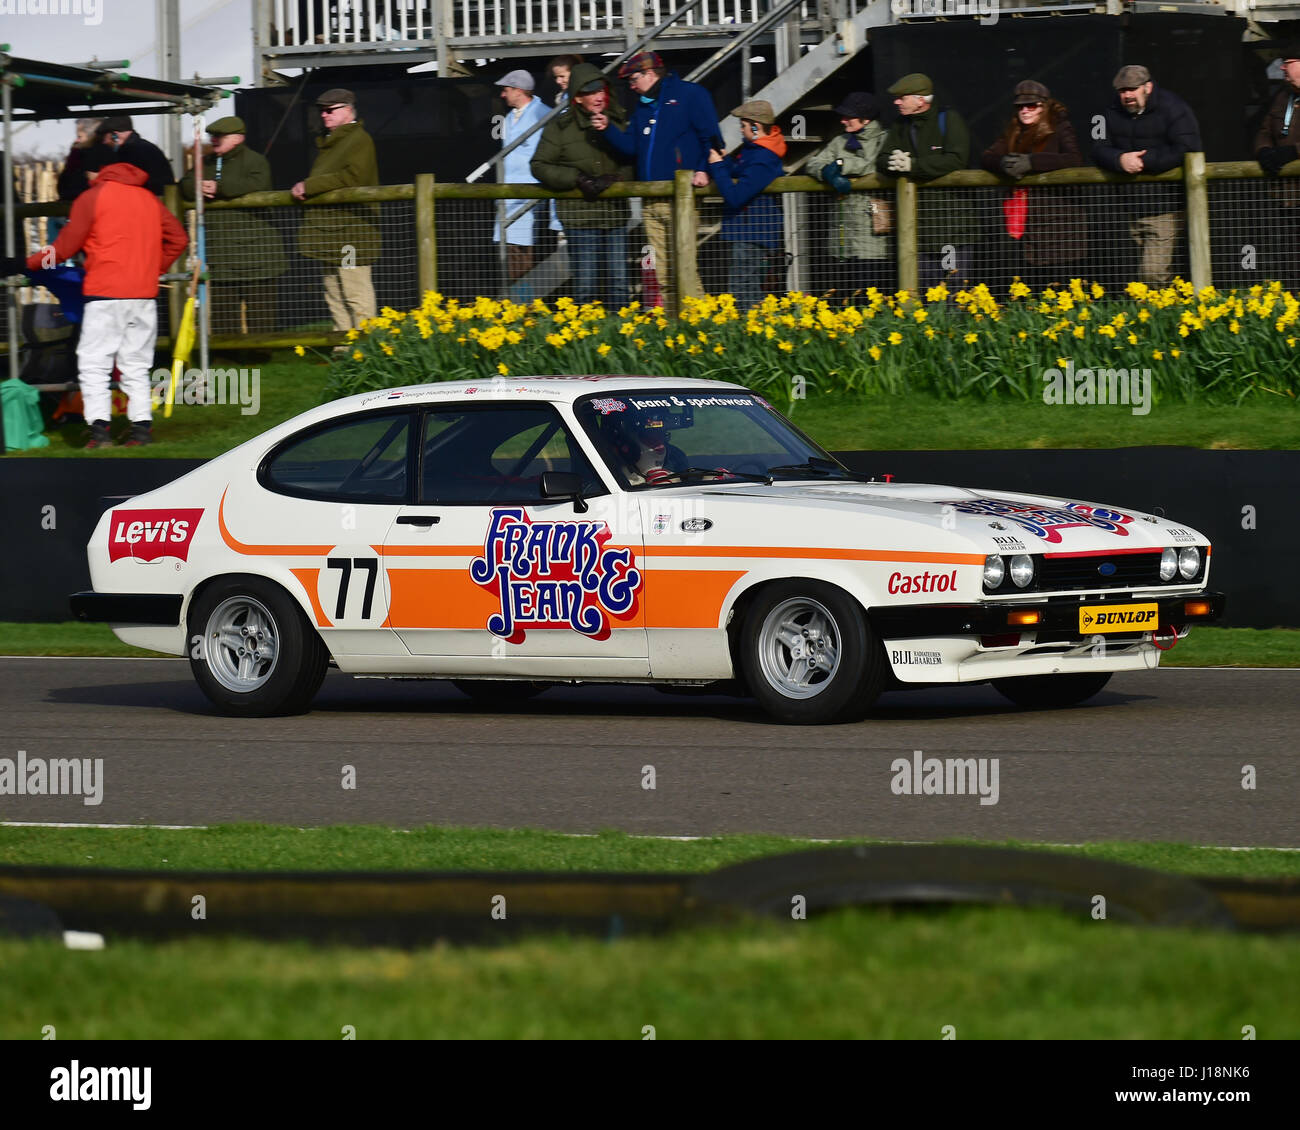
{"x": 356, "y": 460}
{"x": 495, "y": 454}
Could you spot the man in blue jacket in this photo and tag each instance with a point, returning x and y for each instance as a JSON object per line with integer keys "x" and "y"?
{"x": 673, "y": 127}
{"x": 751, "y": 222}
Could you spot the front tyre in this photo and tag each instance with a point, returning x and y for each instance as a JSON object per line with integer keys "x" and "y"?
{"x": 808, "y": 654}
{"x": 253, "y": 652}
{"x": 1049, "y": 692}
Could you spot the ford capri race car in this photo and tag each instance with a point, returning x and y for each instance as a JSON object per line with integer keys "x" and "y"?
{"x": 510, "y": 534}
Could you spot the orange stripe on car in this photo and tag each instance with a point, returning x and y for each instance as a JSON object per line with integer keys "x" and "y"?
{"x": 687, "y": 598}
{"x": 250, "y": 550}
{"x": 309, "y": 578}
{"x": 809, "y": 552}
{"x": 449, "y": 598}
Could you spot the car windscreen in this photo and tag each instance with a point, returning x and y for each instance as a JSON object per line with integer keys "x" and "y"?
{"x": 654, "y": 438}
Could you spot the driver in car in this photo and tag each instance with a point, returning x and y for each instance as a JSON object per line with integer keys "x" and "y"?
{"x": 642, "y": 444}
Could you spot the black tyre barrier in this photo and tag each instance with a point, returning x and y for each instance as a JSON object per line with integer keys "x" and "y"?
{"x": 1240, "y": 499}
{"x": 908, "y": 874}
{"x": 391, "y": 908}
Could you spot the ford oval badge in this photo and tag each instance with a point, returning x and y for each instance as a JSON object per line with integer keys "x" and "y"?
{"x": 696, "y": 525}
{"x": 1106, "y": 568}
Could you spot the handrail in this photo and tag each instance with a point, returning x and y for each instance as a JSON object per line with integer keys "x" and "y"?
{"x": 497, "y": 158}
{"x": 774, "y": 17}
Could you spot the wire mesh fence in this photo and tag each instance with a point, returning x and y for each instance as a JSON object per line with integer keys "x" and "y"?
{"x": 269, "y": 266}
{"x": 1046, "y": 235}
{"x": 1254, "y": 227}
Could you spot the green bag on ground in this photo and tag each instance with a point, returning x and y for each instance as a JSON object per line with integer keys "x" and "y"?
{"x": 24, "y": 426}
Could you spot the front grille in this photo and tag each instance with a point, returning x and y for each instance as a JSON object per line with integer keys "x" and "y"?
{"x": 1131, "y": 570}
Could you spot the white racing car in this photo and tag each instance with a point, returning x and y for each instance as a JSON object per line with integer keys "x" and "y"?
{"x": 507, "y": 535}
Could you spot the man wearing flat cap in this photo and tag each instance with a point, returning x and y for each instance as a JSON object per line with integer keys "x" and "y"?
{"x": 673, "y": 127}
{"x": 859, "y": 239}
{"x": 1148, "y": 129}
{"x": 571, "y": 154}
{"x": 752, "y": 222}
{"x": 244, "y": 252}
{"x": 344, "y": 238}
{"x": 118, "y": 133}
{"x": 926, "y": 142}
{"x": 524, "y": 112}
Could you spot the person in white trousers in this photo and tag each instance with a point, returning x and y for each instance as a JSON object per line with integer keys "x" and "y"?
{"x": 129, "y": 239}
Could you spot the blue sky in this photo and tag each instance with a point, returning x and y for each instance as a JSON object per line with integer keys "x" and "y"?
{"x": 216, "y": 39}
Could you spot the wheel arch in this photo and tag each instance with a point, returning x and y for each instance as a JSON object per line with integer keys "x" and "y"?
{"x": 297, "y": 597}
{"x": 742, "y": 602}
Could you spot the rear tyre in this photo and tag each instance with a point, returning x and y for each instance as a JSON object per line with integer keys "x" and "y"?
{"x": 253, "y": 653}
{"x": 808, "y": 654}
{"x": 501, "y": 691}
{"x": 1048, "y": 692}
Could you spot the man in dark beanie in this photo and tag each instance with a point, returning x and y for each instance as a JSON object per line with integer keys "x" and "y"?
{"x": 859, "y": 241}
{"x": 118, "y": 133}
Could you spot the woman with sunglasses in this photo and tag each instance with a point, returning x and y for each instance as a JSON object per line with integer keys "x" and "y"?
{"x": 1045, "y": 237}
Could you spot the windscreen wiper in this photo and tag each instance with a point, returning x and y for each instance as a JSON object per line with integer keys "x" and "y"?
{"x": 823, "y": 468}
{"x": 748, "y": 476}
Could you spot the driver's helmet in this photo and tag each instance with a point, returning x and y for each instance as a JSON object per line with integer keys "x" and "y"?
{"x": 641, "y": 439}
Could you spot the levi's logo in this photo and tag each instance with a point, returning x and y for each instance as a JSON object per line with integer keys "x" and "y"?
{"x": 147, "y": 535}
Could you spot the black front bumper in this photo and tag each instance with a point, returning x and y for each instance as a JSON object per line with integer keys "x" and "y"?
{"x": 1058, "y": 615}
{"x": 151, "y": 609}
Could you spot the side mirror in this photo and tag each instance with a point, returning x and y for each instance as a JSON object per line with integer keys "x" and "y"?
{"x": 564, "y": 484}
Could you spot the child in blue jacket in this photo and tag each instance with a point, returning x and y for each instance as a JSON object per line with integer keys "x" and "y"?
{"x": 751, "y": 221}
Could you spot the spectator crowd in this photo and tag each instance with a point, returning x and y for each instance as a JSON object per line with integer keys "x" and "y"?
{"x": 657, "y": 124}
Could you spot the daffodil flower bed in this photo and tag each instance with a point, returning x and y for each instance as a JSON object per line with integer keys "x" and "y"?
{"x": 1219, "y": 347}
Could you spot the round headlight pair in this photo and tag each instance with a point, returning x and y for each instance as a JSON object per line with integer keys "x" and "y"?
{"x": 1186, "y": 561}
{"x": 995, "y": 570}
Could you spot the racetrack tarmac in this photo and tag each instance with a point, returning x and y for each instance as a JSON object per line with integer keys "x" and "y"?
{"x": 1156, "y": 756}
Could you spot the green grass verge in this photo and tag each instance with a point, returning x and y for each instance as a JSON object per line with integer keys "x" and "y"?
{"x": 918, "y": 422}
{"x": 1205, "y": 647}
{"x": 915, "y": 422}
{"x": 287, "y": 386}
{"x": 991, "y": 973}
{"x": 255, "y": 847}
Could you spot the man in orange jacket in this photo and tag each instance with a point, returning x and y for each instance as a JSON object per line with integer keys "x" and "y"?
{"x": 129, "y": 239}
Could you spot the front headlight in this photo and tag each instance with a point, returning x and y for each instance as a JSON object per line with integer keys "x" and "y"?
{"x": 994, "y": 570}
{"x": 1022, "y": 569}
{"x": 1168, "y": 564}
{"x": 1189, "y": 561}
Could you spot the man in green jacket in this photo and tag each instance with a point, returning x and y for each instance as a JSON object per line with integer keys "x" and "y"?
{"x": 573, "y": 154}
{"x": 244, "y": 252}
{"x": 925, "y": 143}
{"x": 860, "y": 253}
{"x": 343, "y": 237}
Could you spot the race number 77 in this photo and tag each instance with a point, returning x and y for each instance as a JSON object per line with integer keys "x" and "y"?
{"x": 370, "y": 565}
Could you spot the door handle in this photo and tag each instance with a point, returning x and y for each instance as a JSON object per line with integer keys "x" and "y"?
{"x": 417, "y": 520}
